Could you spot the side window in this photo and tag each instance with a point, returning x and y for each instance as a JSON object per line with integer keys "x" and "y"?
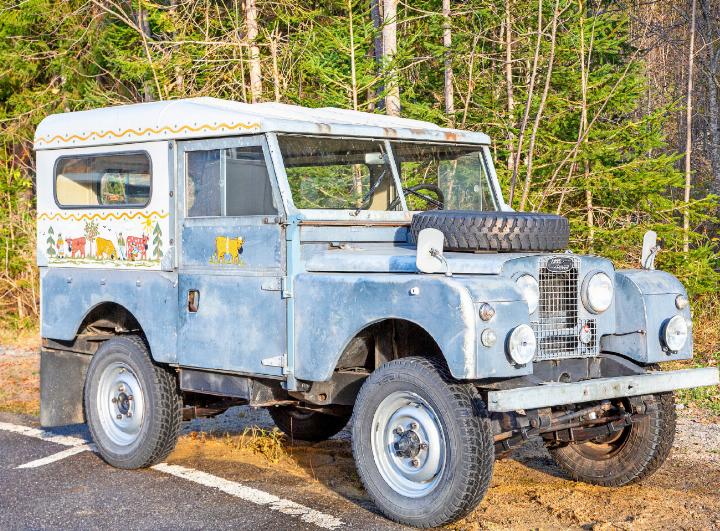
{"x": 228, "y": 182}
{"x": 108, "y": 179}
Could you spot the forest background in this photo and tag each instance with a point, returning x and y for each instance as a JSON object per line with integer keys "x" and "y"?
{"x": 603, "y": 111}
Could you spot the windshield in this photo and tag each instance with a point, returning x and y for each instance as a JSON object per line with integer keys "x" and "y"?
{"x": 339, "y": 173}
{"x": 444, "y": 176}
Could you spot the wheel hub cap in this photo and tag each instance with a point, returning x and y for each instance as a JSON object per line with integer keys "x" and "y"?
{"x": 120, "y": 404}
{"x": 408, "y": 443}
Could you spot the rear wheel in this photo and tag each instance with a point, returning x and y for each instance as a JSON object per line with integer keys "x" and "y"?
{"x": 132, "y": 405}
{"x": 627, "y": 456}
{"x": 307, "y": 425}
{"x": 422, "y": 443}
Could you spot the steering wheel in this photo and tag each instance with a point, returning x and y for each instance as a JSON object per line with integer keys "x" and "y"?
{"x": 438, "y": 203}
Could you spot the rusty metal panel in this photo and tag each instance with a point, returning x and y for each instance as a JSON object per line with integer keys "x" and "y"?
{"x": 236, "y": 327}
{"x": 69, "y": 294}
{"x": 331, "y": 309}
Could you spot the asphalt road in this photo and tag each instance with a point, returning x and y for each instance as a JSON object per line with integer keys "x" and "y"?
{"x": 81, "y": 491}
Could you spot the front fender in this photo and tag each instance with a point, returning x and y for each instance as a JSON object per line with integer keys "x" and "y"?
{"x": 331, "y": 309}
{"x": 644, "y": 300}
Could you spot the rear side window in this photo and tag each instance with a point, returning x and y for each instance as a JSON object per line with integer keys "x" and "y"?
{"x": 110, "y": 179}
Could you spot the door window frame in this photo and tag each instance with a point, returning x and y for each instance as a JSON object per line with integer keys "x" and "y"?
{"x": 218, "y": 144}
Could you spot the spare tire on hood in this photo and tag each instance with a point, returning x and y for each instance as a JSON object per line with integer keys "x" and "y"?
{"x": 494, "y": 231}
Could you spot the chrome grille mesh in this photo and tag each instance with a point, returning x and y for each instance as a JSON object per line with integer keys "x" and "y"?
{"x": 558, "y": 327}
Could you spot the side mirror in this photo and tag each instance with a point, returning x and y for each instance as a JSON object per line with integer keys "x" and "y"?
{"x": 430, "y": 257}
{"x": 649, "y": 250}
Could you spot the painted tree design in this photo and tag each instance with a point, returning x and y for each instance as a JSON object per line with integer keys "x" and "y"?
{"x": 51, "y": 242}
{"x": 157, "y": 241}
{"x": 91, "y": 232}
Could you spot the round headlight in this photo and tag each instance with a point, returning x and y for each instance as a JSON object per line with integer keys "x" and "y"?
{"x": 597, "y": 292}
{"x": 530, "y": 290}
{"x": 675, "y": 333}
{"x": 522, "y": 344}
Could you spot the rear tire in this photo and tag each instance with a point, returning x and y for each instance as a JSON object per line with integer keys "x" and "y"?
{"x": 422, "y": 443}
{"x": 627, "y": 457}
{"x": 132, "y": 406}
{"x": 307, "y": 425}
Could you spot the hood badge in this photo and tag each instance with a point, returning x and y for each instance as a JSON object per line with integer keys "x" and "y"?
{"x": 559, "y": 264}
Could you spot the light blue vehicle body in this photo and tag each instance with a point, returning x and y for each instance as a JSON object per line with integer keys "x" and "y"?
{"x": 305, "y": 286}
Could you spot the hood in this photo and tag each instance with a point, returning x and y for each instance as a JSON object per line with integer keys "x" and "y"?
{"x": 400, "y": 259}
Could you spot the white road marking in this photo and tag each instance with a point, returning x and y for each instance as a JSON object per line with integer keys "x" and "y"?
{"x": 249, "y": 494}
{"x": 253, "y": 495}
{"x": 63, "y": 440}
{"x": 58, "y": 456}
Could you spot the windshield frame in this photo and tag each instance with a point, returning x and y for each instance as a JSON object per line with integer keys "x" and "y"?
{"x": 351, "y": 216}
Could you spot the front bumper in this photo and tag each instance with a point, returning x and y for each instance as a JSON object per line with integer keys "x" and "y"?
{"x": 558, "y": 394}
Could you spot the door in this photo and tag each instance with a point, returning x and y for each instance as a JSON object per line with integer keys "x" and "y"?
{"x": 231, "y": 257}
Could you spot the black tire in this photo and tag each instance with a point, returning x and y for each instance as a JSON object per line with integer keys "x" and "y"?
{"x": 306, "y": 425}
{"x": 631, "y": 456}
{"x": 459, "y": 486}
{"x": 161, "y": 411}
{"x": 495, "y": 231}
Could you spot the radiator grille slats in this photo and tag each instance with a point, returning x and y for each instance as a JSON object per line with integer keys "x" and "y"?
{"x": 558, "y": 327}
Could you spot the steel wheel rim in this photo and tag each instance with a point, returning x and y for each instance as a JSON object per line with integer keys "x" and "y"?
{"x": 121, "y": 404}
{"x": 408, "y": 444}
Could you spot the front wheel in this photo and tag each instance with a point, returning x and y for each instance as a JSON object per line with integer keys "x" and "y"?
{"x": 627, "y": 456}
{"x": 132, "y": 405}
{"x": 422, "y": 443}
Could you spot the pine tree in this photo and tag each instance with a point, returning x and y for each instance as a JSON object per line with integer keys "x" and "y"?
{"x": 157, "y": 241}
{"x": 51, "y": 242}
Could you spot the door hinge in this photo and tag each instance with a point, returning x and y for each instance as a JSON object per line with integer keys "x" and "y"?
{"x": 286, "y": 288}
{"x": 275, "y": 361}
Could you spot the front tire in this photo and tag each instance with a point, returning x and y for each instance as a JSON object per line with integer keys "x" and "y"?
{"x": 628, "y": 456}
{"x": 132, "y": 406}
{"x": 422, "y": 443}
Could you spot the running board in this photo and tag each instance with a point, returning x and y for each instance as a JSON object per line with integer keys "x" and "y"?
{"x": 559, "y": 394}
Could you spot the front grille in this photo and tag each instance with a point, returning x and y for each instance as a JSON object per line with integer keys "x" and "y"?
{"x": 559, "y": 328}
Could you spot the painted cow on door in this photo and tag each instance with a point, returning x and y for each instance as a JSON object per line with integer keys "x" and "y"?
{"x": 137, "y": 247}
{"x": 230, "y": 247}
{"x": 76, "y": 245}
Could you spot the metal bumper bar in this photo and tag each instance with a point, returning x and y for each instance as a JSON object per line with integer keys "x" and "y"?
{"x": 558, "y": 394}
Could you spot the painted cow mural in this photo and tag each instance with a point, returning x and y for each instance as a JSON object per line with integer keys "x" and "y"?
{"x": 76, "y": 245}
{"x": 105, "y": 249}
{"x": 137, "y": 247}
{"x": 231, "y": 247}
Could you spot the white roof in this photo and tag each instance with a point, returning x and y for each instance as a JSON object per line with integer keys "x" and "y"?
{"x": 213, "y": 117}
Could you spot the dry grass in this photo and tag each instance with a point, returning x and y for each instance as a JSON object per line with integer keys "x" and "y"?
{"x": 20, "y": 384}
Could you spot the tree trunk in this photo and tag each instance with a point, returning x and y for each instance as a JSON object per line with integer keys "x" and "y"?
{"x": 274, "y": 42}
{"x": 254, "y": 61}
{"x": 509, "y": 86}
{"x": 541, "y": 108}
{"x": 528, "y": 105}
{"x": 447, "y": 43}
{"x": 376, "y": 16}
{"x": 389, "y": 34}
{"x": 353, "y": 74}
{"x": 688, "y": 132}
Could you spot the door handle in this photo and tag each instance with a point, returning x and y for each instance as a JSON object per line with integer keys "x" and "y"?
{"x": 193, "y": 300}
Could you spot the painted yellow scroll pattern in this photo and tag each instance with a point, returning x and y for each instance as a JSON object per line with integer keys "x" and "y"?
{"x": 146, "y": 131}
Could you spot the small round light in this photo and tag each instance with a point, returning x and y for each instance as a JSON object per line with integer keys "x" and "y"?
{"x": 522, "y": 344}
{"x": 487, "y": 312}
{"x": 597, "y": 292}
{"x": 674, "y": 333}
{"x": 488, "y": 337}
{"x": 530, "y": 290}
{"x": 681, "y": 302}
